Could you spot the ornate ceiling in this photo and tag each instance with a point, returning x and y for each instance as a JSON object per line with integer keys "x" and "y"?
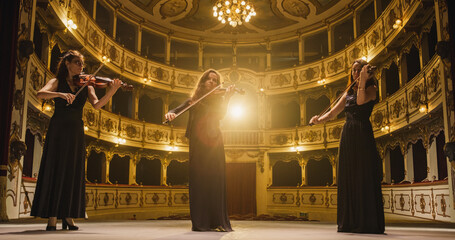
{"x": 275, "y": 18}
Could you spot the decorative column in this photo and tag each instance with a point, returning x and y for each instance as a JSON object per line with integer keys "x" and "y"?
{"x": 356, "y": 23}
{"x": 409, "y": 165}
{"x": 234, "y": 55}
{"x": 136, "y": 95}
{"x": 108, "y": 160}
{"x": 432, "y": 161}
{"x": 386, "y": 170}
{"x": 94, "y": 9}
{"x": 168, "y": 48}
{"x": 334, "y": 162}
{"x": 402, "y": 70}
{"x": 423, "y": 50}
{"x": 114, "y": 25}
{"x": 134, "y": 160}
{"x": 139, "y": 39}
{"x": 302, "y": 101}
{"x": 165, "y": 106}
{"x": 262, "y": 173}
{"x": 164, "y": 165}
{"x": 377, "y": 8}
{"x": 331, "y": 38}
{"x": 301, "y": 49}
{"x": 268, "y": 46}
{"x": 382, "y": 84}
{"x": 201, "y": 55}
{"x": 303, "y": 164}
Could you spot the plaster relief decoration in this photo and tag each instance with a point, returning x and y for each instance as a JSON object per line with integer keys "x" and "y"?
{"x": 416, "y": 96}
{"x": 36, "y": 79}
{"x": 155, "y": 198}
{"x": 157, "y": 135}
{"x": 355, "y": 53}
{"x": 309, "y": 74}
{"x": 397, "y": 109}
{"x": 390, "y": 19}
{"x": 402, "y": 202}
{"x": 131, "y": 131}
{"x": 109, "y": 125}
{"x": 90, "y": 117}
{"x": 283, "y": 198}
{"x": 312, "y": 199}
{"x": 374, "y": 38}
{"x": 234, "y": 154}
{"x": 181, "y": 198}
{"x": 311, "y": 136}
{"x": 335, "y": 65}
{"x": 186, "y": 80}
{"x": 94, "y": 38}
{"x": 80, "y": 20}
{"x": 281, "y": 139}
{"x": 159, "y": 74}
{"x": 441, "y": 204}
{"x": 433, "y": 82}
{"x": 335, "y": 132}
{"x": 134, "y": 65}
{"x": 422, "y": 203}
{"x": 172, "y": 8}
{"x": 280, "y": 80}
{"x": 379, "y": 118}
{"x": 296, "y": 8}
{"x": 128, "y": 198}
{"x": 113, "y": 53}
{"x": 181, "y": 139}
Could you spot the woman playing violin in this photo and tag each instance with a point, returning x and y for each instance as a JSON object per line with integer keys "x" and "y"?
{"x": 60, "y": 189}
{"x": 207, "y": 184}
{"x": 360, "y": 207}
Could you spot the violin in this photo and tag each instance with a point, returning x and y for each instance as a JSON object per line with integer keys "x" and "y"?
{"x": 354, "y": 84}
{"x": 97, "y": 81}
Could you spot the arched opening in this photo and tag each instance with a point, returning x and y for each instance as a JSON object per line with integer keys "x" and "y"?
{"x": 442, "y": 162}
{"x": 419, "y": 155}
{"x": 287, "y": 174}
{"x": 95, "y": 163}
{"x": 55, "y": 58}
{"x": 413, "y": 63}
{"x": 316, "y": 106}
{"x": 285, "y": 115}
{"x": 119, "y": 169}
{"x": 319, "y": 172}
{"x": 122, "y": 103}
{"x": 28, "y": 157}
{"x": 148, "y": 172}
{"x": 178, "y": 173}
{"x": 392, "y": 79}
{"x": 396, "y": 165}
{"x": 150, "y": 110}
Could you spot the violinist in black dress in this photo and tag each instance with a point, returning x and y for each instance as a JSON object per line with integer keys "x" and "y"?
{"x": 60, "y": 188}
{"x": 207, "y": 177}
{"x": 360, "y": 207}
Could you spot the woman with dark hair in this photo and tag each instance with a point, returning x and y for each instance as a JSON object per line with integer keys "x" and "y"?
{"x": 207, "y": 183}
{"x": 360, "y": 208}
{"x": 60, "y": 189}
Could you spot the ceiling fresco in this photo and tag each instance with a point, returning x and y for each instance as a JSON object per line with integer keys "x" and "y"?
{"x": 274, "y": 17}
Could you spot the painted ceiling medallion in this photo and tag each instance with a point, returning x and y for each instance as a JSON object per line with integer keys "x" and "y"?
{"x": 297, "y": 8}
{"x": 173, "y": 8}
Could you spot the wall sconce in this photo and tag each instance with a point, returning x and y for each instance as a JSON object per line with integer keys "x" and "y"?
{"x": 171, "y": 148}
{"x": 423, "y": 108}
{"x": 85, "y": 128}
{"x": 119, "y": 140}
{"x": 386, "y": 128}
{"x": 397, "y": 24}
{"x": 106, "y": 59}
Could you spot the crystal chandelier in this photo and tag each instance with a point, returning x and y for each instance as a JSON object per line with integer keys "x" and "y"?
{"x": 233, "y": 11}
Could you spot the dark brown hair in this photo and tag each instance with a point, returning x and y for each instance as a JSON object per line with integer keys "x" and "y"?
{"x": 359, "y": 61}
{"x": 62, "y": 70}
{"x": 200, "y": 89}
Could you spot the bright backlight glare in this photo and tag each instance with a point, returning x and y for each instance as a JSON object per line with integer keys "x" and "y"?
{"x": 236, "y": 111}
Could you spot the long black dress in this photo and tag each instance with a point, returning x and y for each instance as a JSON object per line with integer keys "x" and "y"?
{"x": 360, "y": 206}
{"x": 60, "y": 189}
{"x": 207, "y": 178}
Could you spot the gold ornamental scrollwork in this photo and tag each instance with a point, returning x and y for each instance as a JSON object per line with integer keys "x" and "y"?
{"x": 90, "y": 117}
{"x": 280, "y": 80}
{"x": 310, "y": 136}
{"x": 37, "y": 80}
{"x": 433, "y": 81}
{"x": 308, "y": 74}
{"x": 281, "y": 139}
{"x": 378, "y": 119}
{"x": 335, "y": 132}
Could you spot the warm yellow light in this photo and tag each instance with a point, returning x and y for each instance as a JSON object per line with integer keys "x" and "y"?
{"x": 398, "y": 21}
{"x": 423, "y": 109}
{"x": 47, "y": 108}
{"x": 364, "y": 58}
{"x": 236, "y": 111}
{"x": 85, "y": 128}
{"x": 262, "y": 89}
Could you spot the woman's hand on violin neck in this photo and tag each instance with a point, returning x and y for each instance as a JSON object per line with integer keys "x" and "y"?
{"x": 229, "y": 91}
{"x": 115, "y": 84}
{"x": 364, "y": 74}
{"x": 315, "y": 120}
{"x": 68, "y": 97}
{"x": 169, "y": 116}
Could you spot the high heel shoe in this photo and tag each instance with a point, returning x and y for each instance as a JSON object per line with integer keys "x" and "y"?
{"x": 66, "y": 225}
{"x": 51, "y": 228}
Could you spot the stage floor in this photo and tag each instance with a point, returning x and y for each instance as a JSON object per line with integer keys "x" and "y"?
{"x": 401, "y": 228}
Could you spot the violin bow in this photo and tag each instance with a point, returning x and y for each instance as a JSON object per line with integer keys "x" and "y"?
{"x": 192, "y": 104}
{"x": 85, "y": 84}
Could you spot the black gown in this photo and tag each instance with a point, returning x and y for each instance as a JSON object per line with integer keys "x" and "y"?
{"x": 360, "y": 206}
{"x": 60, "y": 189}
{"x": 207, "y": 166}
